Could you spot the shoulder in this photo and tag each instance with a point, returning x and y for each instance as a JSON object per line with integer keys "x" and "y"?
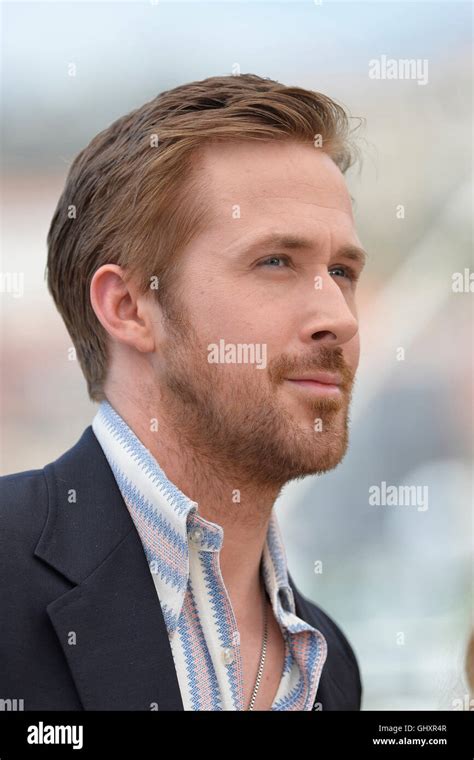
{"x": 25, "y": 496}
{"x": 23, "y": 502}
{"x": 23, "y": 515}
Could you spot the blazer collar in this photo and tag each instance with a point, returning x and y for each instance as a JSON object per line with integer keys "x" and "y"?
{"x": 110, "y": 624}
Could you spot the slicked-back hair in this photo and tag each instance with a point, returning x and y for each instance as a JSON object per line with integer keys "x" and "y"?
{"x": 135, "y": 196}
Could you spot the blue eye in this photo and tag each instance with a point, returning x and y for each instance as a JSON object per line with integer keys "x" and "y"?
{"x": 347, "y": 272}
{"x": 274, "y": 258}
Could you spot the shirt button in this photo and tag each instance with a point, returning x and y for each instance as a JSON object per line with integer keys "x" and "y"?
{"x": 196, "y": 535}
{"x": 228, "y": 655}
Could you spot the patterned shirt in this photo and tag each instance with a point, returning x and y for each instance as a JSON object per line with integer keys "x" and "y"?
{"x": 182, "y": 550}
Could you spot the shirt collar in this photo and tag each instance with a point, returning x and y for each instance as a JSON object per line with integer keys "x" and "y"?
{"x": 160, "y": 509}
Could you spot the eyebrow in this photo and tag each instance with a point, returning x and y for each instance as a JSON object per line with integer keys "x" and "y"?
{"x": 295, "y": 242}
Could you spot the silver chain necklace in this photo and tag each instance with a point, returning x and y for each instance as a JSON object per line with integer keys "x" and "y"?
{"x": 262, "y": 656}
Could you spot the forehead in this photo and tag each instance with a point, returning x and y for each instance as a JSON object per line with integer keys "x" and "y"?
{"x": 273, "y": 177}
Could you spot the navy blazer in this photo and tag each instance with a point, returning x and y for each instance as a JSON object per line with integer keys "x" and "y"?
{"x": 81, "y": 626}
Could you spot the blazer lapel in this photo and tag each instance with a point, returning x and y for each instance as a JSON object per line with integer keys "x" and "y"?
{"x": 110, "y": 624}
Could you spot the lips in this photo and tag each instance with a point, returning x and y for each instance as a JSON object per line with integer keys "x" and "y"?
{"x": 318, "y": 384}
{"x": 319, "y": 378}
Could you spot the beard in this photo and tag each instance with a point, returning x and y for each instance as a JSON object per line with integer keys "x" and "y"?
{"x": 236, "y": 419}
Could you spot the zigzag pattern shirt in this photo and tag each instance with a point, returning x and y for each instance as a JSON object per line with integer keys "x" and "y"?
{"x": 182, "y": 550}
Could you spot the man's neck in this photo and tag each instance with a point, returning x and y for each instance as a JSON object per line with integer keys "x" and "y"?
{"x": 224, "y": 496}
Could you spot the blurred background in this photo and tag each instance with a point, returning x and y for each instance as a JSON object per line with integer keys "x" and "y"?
{"x": 397, "y": 579}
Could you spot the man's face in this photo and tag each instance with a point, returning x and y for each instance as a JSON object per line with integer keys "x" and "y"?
{"x": 290, "y": 309}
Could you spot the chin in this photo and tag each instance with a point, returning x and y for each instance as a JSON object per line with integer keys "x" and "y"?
{"x": 327, "y": 458}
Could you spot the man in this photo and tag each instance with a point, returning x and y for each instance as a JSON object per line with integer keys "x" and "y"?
{"x": 204, "y": 258}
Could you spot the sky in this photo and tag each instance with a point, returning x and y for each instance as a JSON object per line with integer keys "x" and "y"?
{"x": 126, "y": 52}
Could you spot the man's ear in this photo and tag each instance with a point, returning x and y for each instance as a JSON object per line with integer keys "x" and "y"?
{"x": 123, "y": 311}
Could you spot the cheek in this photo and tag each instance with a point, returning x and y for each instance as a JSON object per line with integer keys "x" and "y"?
{"x": 233, "y": 321}
{"x": 218, "y": 313}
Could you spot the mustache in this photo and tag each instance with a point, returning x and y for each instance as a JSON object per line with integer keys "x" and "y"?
{"x": 326, "y": 359}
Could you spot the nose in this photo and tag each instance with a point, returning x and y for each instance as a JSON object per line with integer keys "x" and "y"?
{"x": 331, "y": 320}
